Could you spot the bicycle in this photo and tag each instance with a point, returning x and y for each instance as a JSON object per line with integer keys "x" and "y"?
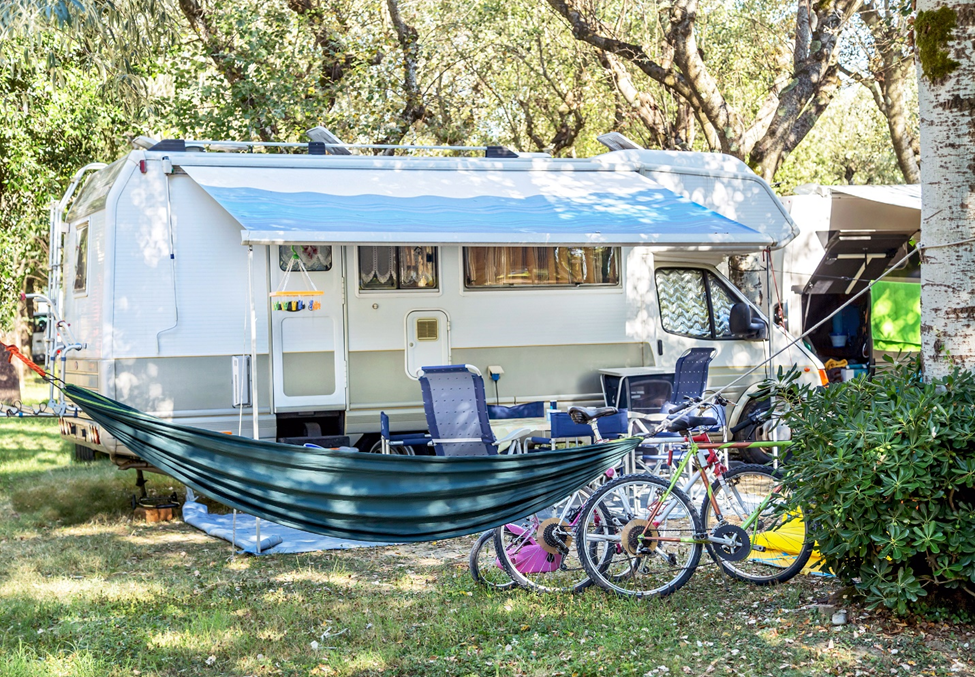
{"x": 538, "y": 551}
{"x": 485, "y": 567}
{"x": 653, "y": 539}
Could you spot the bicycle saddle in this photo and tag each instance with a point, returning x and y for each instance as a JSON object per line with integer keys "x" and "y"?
{"x": 684, "y": 423}
{"x": 582, "y": 415}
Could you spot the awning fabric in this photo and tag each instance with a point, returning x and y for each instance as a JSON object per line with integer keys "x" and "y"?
{"x": 895, "y": 316}
{"x": 283, "y": 205}
{"x": 907, "y": 196}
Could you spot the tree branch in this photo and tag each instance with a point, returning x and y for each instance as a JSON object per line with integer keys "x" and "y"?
{"x": 687, "y": 56}
{"x": 581, "y": 30}
{"x": 221, "y": 53}
{"x": 413, "y": 109}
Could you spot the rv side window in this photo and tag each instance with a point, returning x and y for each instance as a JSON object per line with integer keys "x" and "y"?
{"x": 393, "y": 268}
{"x": 694, "y": 303}
{"x": 721, "y": 302}
{"x": 315, "y": 258}
{"x": 81, "y": 262}
{"x": 512, "y": 267}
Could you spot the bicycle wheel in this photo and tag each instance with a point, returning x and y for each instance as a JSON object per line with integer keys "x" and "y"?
{"x": 486, "y": 568}
{"x": 624, "y": 554}
{"x": 778, "y": 547}
{"x": 538, "y": 551}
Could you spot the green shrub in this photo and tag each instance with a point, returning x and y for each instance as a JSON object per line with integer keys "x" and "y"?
{"x": 884, "y": 471}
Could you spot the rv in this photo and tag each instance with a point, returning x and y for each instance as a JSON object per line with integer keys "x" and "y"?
{"x": 848, "y": 237}
{"x": 565, "y": 279}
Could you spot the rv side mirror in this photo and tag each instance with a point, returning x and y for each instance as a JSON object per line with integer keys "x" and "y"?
{"x": 743, "y": 324}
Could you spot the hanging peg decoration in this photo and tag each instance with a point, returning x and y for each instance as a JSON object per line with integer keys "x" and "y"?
{"x": 283, "y": 299}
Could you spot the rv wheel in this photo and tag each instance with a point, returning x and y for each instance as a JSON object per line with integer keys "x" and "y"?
{"x": 753, "y": 432}
{"x": 83, "y": 454}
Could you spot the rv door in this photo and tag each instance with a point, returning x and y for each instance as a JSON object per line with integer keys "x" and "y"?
{"x": 308, "y": 368}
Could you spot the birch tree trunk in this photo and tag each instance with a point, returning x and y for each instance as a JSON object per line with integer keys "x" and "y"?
{"x": 944, "y": 35}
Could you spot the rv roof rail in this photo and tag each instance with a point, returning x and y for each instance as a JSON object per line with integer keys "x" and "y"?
{"x": 319, "y": 148}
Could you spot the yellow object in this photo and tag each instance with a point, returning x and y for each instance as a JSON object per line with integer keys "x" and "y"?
{"x": 783, "y": 545}
{"x": 274, "y": 294}
{"x": 835, "y": 364}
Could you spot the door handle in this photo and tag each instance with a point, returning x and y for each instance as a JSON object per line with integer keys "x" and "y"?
{"x": 660, "y": 347}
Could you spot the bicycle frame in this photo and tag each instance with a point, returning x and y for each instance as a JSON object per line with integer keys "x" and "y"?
{"x": 707, "y": 461}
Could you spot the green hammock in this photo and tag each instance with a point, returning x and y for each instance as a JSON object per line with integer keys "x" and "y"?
{"x": 367, "y": 497}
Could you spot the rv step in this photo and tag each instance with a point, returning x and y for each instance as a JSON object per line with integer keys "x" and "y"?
{"x": 328, "y": 442}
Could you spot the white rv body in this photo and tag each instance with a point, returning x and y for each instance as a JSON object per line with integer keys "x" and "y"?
{"x": 156, "y": 286}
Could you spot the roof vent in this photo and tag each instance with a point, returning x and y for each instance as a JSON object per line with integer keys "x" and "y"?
{"x": 143, "y": 142}
{"x": 616, "y": 141}
{"x": 326, "y": 141}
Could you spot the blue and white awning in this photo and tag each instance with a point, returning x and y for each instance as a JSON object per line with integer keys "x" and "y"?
{"x": 471, "y": 206}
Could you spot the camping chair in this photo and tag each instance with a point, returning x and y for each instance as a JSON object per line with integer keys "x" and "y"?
{"x": 498, "y": 412}
{"x": 562, "y": 428}
{"x": 402, "y": 444}
{"x": 457, "y": 414}
{"x": 690, "y": 381}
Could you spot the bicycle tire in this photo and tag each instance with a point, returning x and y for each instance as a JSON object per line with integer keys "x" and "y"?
{"x": 529, "y": 565}
{"x": 616, "y": 500}
{"x": 484, "y": 564}
{"x": 748, "y": 569}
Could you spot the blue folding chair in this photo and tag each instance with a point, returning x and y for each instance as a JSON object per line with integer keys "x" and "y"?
{"x": 690, "y": 376}
{"x": 401, "y": 444}
{"x": 690, "y": 381}
{"x": 562, "y": 428}
{"x": 457, "y": 413}
{"x": 527, "y": 410}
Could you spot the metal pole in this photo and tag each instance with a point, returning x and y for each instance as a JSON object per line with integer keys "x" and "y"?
{"x": 253, "y": 374}
{"x": 257, "y": 435}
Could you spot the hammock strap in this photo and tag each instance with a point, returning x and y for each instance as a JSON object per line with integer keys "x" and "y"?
{"x": 12, "y": 352}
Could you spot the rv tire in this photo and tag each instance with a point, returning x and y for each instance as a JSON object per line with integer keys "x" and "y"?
{"x": 750, "y": 433}
{"x": 83, "y": 454}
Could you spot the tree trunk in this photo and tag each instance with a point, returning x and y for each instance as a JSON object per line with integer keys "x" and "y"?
{"x": 944, "y": 34}
{"x": 900, "y": 134}
{"x": 887, "y": 84}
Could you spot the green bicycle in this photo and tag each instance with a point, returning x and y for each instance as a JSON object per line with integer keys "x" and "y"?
{"x": 654, "y": 537}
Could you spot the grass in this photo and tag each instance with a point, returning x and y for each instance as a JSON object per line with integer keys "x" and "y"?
{"x": 85, "y": 591}
{"x": 34, "y": 390}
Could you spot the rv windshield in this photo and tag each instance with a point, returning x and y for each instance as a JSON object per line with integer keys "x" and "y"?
{"x": 694, "y": 303}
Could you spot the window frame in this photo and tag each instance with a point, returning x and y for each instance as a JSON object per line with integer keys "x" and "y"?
{"x": 580, "y": 287}
{"x": 331, "y": 264}
{"x": 86, "y": 227}
{"x": 733, "y": 292}
{"x": 430, "y": 291}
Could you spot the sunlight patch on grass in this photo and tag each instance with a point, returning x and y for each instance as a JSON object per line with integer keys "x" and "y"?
{"x": 155, "y": 538}
{"x": 204, "y": 632}
{"x": 88, "y": 590}
{"x": 361, "y": 662}
{"x": 25, "y": 662}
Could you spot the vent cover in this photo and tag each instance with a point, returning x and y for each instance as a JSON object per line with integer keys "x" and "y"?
{"x": 427, "y": 329}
